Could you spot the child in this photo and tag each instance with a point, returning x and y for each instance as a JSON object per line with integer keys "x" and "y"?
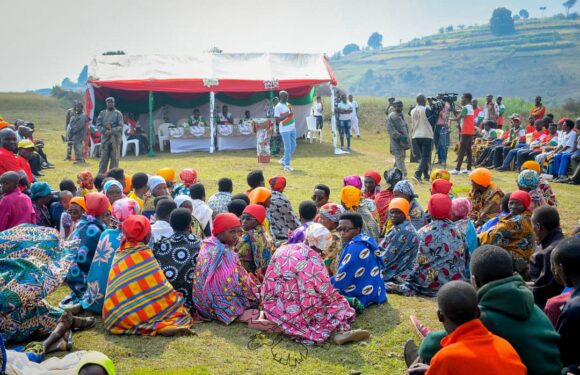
{"x": 16, "y": 208}
{"x": 157, "y": 188}
{"x": 161, "y": 227}
{"x": 307, "y": 211}
{"x": 139, "y": 182}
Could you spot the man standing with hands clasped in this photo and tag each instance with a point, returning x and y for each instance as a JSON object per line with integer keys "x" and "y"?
{"x": 344, "y": 110}
{"x": 399, "y": 134}
{"x": 285, "y": 119}
{"x": 423, "y": 137}
{"x": 110, "y": 124}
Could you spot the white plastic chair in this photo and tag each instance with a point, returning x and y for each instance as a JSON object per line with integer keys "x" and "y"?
{"x": 163, "y": 135}
{"x": 93, "y": 147}
{"x": 127, "y": 142}
{"x": 313, "y": 133}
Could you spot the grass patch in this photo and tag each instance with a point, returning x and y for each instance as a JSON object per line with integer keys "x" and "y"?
{"x": 218, "y": 349}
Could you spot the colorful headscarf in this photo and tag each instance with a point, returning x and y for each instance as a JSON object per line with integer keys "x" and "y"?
{"x": 352, "y": 181}
{"x": 350, "y": 197}
{"x": 392, "y": 176}
{"x": 180, "y": 199}
{"x": 259, "y": 195}
{"x": 224, "y": 221}
{"x": 97, "y": 204}
{"x": 532, "y": 165}
{"x": 402, "y": 205}
{"x": 331, "y": 211}
{"x": 40, "y": 189}
{"x": 405, "y": 187}
{"x": 374, "y": 175}
{"x": 136, "y": 228}
{"x": 318, "y": 236}
{"x": 188, "y": 176}
{"x": 257, "y": 211}
{"x": 96, "y": 358}
{"x": 109, "y": 184}
{"x": 85, "y": 180}
{"x": 278, "y": 183}
{"x": 155, "y": 181}
{"x": 128, "y": 184}
{"x": 79, "y": 201}
{"x": 528, "y": 179}
{"x": 440, "y": 186}
{"x": 460, "y": 208}
{"x": 123, "y": 208}
{"x": 439, "y": 206}
{"x": 168, "y": 174}
{"x": 481, "y": 176}
{"x": 521, "y": 196}
{"x": 440, "y": 174}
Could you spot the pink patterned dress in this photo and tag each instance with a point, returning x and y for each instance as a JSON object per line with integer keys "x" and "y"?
{"x": 297, "y": 296}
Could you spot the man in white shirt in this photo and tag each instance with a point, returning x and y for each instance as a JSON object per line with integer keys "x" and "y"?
{"x": 354, "y": 116}
{"x": 287, "y": 128}
{"x": 318, "y": 112}
{"x": 161, "y": 228}
{"x": 344, "y": 110}
{"x": 422, "y": 135}
{"x": 490, "y": 110}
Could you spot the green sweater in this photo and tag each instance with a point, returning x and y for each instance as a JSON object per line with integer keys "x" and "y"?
{"x": 508, "y": 310}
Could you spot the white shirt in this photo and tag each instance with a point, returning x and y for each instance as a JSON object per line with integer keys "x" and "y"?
{"x": 354, "y": 105}
{"x": 161, "y": 229}
{"x": 318, "y": 109}
{"x": 420, "y": 125}
{"x": 344, "y": 116}
{"x": 280, "y": 110}
{"x": 569, "y": 141}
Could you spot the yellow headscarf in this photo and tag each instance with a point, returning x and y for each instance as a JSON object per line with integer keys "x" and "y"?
{"x": 440, "y": 174}
{"x": 350, "y": 197}
{"x": 168, "y": 174}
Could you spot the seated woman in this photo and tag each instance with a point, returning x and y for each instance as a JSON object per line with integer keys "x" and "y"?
{"x": 256, "y": 247}
{"x": 33, "y": 263}
{"x": 188, "y": 177}
{"x": 399, "y": 246}
{"x": 543, "y": 185}
{"x": 485, "y": 197}
{"x": 441, "y": 256}
{"x": 529, "y": 180}
{"x": 442, "y": 174}
{"x": 157, "y": 188}
{"x": 222, "y": 288}
{"x": 383, "y": 198}
{"x": 72, "y": 217}
{"x": 368, "y": 203}
{"x": 200, "y": 210}
{"x": 113, "y": 190}
{"x": 41, "y": 196}
{"x": 514, "y": 233}
{"x": 85, "y": 182}
{"x": 359, "y": 267}
{"x": 351, "y": 200}
{"x": 109, "y": 243}
{"x": 328, "y": 215}
{"x": 491, "y": 223}
{"x": 88, "y": 232}
{"x": 139, "y": 299}
{"x": 306, "y": 308}
{"x": 460, "y": 209}
{"x": 183, "y": 201}
{"x": 177, "y": 254}
{"x": 404, "y": 189}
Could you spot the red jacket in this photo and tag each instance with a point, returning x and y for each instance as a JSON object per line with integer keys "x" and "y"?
{"x": 11, "y": 162}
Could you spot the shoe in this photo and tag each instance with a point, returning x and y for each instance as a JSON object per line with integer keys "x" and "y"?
{"x": 416, "y": 179}
{"x": 358, "y": 135}
{"x": 410, "y": 352}
{"x": 351, "y": 336}
{"x": 288, "y": 168}
{"x": 79, "y": 162}
{"x": 455, "y": 172}
{"x": 466, "y": 171}
{"x": 281, "y": 161}
{"x": 422, "y": 330}
{"x": 502, "y": 169}
{"x": 38, "y": 174}
{"x": 348, "y": 149}
{"x": 67, "y": 159}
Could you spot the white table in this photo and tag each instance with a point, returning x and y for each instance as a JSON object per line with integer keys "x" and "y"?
{"x": 187, "y": 145}
{"x": 243, "y": 142}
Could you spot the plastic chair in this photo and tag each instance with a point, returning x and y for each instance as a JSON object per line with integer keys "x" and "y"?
{"x": 127, "y": 142}
{"x": 313, "y": 133}
{"x": 163, "y": 135}
{"x": 93, "y": 147}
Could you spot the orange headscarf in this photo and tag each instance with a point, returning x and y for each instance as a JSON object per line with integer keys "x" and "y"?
{"x": 80, "y": 201}
{"x": 402, "y": 205}
{"x": 532, "y": 165}
{"x": 128, "y": 184}
{"x": 168, "y": 174}
{"x": 259, "y": 195}
{"x": 481, "y": 176}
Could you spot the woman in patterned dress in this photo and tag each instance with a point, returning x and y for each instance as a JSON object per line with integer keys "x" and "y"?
{"x": 328, "y": 215}
{"x": 256, "y": 247}
{"x": 351, "y": 200}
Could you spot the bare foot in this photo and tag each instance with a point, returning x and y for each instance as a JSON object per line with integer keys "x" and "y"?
{"x": 175, "y": 331}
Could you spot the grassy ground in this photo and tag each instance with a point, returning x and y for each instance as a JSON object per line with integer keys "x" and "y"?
{"x": 224, "y": 350}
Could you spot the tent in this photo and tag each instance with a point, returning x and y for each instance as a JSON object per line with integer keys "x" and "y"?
{"x": 153, "y": 85}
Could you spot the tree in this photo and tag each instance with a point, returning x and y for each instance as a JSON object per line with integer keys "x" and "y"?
{"x": 501, "y": 22}
{"x": 350, "y": 48}
{"x": 449, "y": 28}
{"x": 375, "y": 41}
{"x": 461, "y": 27}
{"x": 113, "y": 53}
{"x": 441, "y": 30}
{"x": 215, "y": 49}
{"x": 569, "y": 4}
{"x": 516, "y": 17}
{"x": 524, "y": 14}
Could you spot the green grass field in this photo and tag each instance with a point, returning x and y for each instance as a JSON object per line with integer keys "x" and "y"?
{"x": 218, "y": 349}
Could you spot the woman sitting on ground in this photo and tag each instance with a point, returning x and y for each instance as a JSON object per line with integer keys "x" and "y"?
{"x": 88, "y": 232}
{"x": 222, "y": 288}
{"x": 356, "y": 182}
{"x": 441, "y": 256}
{"x": 152, "y": 307}
{"x": 113, "y": 190}
{"x": 485, "y": 197}
{"x": 306, "y": 308}
{"x": 399, "y": 247}
{"x": 383, "y": 198}
{"x": 184, "y": 201}
{"x": 329, "y": 215}
{"x": 359, "y": 267}
{"x": 351, "y": 198}
{"x": 108, "y": 246}
{"x": 529, "y": 180}
{"x": 514, "y": 233}
{"x": 256, "y": 247}
{"x": 460, "y": 209}
{"x": 201, "y": 210}
{"x": 33, "y": 262}
{"x": 72, "y": 217}
{"x": 404, "y": 189}
{"x": 543, "y": 185}
{"x": 282, "y": 218}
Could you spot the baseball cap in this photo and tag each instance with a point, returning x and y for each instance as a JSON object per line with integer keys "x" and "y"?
{"x": 26, "y": 143}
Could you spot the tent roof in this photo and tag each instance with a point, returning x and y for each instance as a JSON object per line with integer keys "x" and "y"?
{"x": 225, "y": 72}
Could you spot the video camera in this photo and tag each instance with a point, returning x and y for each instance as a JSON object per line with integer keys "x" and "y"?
{"x": 438, "y": 102}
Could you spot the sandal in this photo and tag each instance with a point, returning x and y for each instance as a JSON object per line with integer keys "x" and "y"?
{"x": 82, "y": 323}
{"x": 69, "y": 341}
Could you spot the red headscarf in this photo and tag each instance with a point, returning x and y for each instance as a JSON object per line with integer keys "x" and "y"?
{"x": 522, "y": 196}
{"x": 257, "y": 211}
{"x": 278, "y": 183}
{"x": 85, "y": 180}
{"x": 97, "y": 204}
{"x": 225, "y": 221}
{"x": 440, "y": 186}
{"x": 136, "y": 228}
{"x": 374, "y": 175}
{"x": 188, "y": 176}
{"x": 439, "y": 206}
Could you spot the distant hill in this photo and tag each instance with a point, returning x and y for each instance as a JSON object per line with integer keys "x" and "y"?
{"x": 541, "y": 58}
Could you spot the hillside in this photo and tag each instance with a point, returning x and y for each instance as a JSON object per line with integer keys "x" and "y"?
{"x": 540, "y": 58}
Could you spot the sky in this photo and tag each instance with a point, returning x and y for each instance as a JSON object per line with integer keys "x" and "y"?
{"x": 44, "y": 41}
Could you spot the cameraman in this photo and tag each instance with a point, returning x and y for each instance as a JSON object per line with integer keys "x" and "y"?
{"x": 441, "y": 136}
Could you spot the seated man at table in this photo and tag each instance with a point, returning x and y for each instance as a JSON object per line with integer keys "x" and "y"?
{"x": 247, "y": 117}
{"x": 225, "y": 117}
{"x": 196, "y": 119}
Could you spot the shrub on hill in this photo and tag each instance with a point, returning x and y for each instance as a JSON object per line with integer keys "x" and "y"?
{"x": 501, "y": 22}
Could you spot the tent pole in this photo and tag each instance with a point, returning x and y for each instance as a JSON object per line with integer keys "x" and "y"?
{"x": 151, "y": 130}
{"x": 211, "y": 121}
{"x": 333, "y": 124}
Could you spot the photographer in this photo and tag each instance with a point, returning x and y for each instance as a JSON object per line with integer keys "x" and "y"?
{"x": 467, "y": 130}
{"x": 441, "y": 135}
{"x": 110, "y": 124}
{"x": 422, "y": 131}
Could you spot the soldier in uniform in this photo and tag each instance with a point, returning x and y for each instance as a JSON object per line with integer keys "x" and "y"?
{"x": 69, "y": 113}
{"x": 110, "y": 124}
{"x": 77, "y": 132}
{"x": 399, "y": 134}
